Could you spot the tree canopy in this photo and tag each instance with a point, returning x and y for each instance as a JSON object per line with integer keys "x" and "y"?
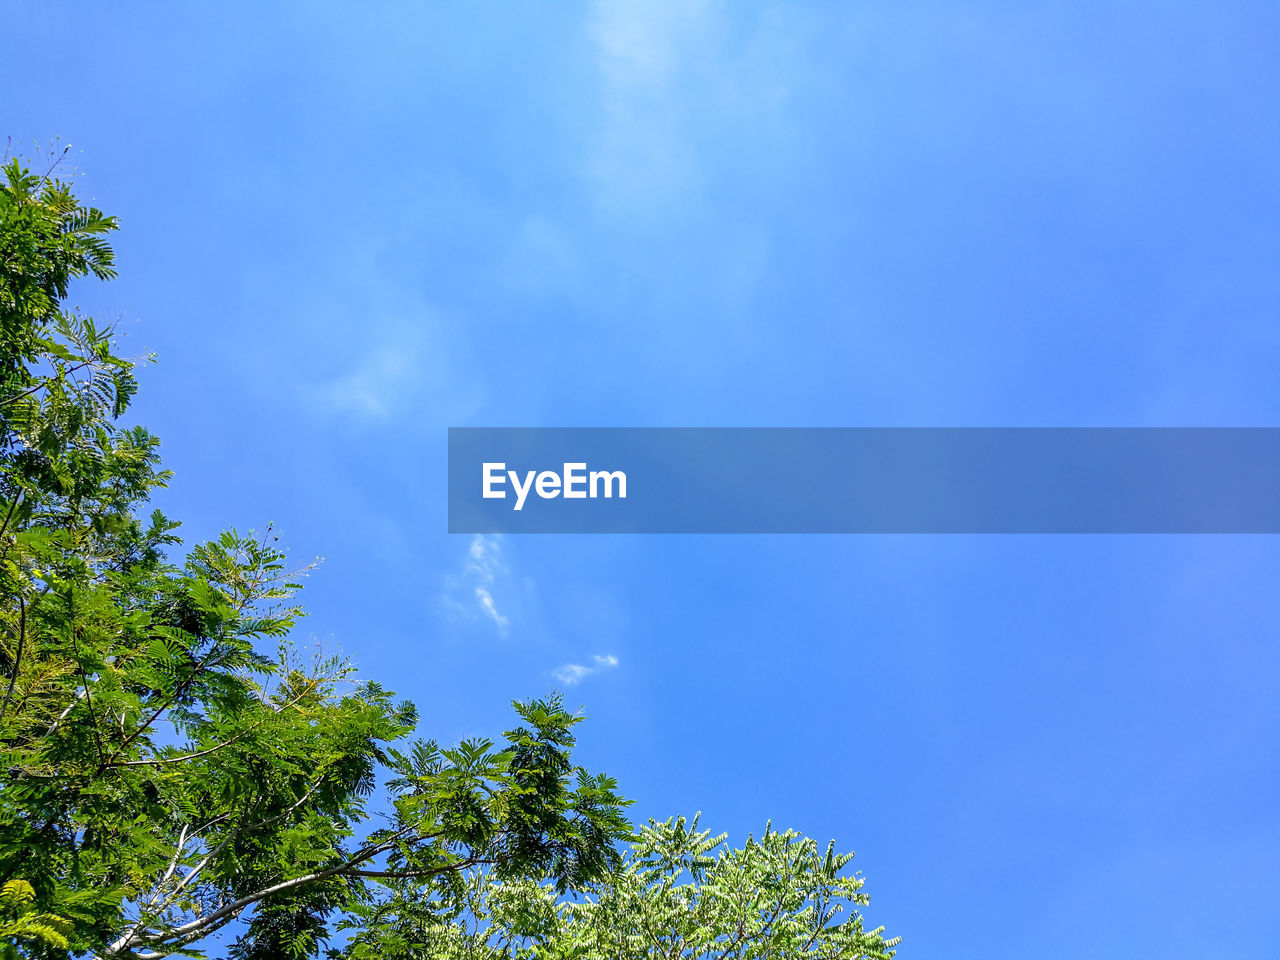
{"x": 173, "y": 764}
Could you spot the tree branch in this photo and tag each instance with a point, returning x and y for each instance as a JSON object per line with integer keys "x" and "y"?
{"x": 156, "y": 761}
{"x": 188, "y": 932}
{"x": 44, "y": 382}
{"x": 17, "y": 657}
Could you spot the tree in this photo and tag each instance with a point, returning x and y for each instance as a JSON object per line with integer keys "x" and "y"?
{"x": 163, "y": 775}
{"x": 170, "y": 763}
{"x": 680, "y": 892}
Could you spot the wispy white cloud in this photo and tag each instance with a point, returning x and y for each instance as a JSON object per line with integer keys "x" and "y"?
{"x": 470, "y": 593}
{"x": 415, "y": 369}
{"x": 371, "y": 387}
{"x": 490, "y": 608}
{"x": 572, "y": 673}
{"x": 675, "y": 75}
{"x": 642, "y": 149}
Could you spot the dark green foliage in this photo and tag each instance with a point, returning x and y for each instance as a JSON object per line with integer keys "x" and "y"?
{"x": 170, "y": 762}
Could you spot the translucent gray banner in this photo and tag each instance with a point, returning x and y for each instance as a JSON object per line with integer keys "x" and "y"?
{"x": 864, "y": 480}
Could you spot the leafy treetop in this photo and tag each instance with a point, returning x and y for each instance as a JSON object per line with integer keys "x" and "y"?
{"x": 171, "y": 762}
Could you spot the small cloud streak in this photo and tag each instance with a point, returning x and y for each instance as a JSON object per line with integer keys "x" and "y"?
{"x": 573, "y": 673}
{"x": 470, "y": 594}
{"x": 489, "y": 607}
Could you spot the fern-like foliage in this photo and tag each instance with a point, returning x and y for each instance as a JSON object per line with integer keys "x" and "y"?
{"x": 169, "y": 761}
{"x": 23, "y": 930}
{"x": 678, "y": 892}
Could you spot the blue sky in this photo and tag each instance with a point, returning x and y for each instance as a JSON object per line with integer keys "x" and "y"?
{"x": 344, "y": 230}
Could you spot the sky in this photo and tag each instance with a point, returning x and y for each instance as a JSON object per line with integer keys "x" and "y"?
{"x": 347, "y": 228}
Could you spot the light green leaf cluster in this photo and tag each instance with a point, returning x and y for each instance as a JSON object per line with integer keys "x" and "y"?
{"x": 680, "y": 892}
{"x": 22, "y": 929}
